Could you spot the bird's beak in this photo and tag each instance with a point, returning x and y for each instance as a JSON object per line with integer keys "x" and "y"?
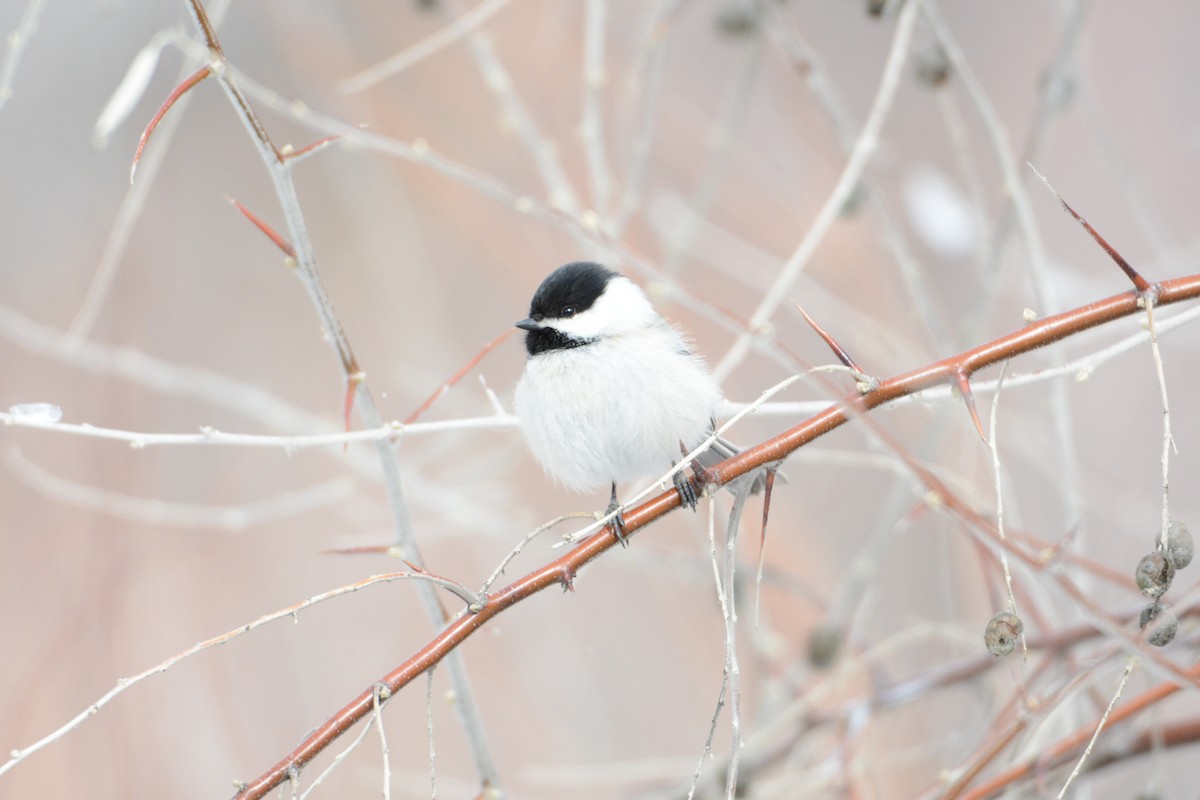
{"x": 527, "y": 324}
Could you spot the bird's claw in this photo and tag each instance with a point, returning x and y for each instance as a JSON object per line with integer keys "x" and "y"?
{"x": 687, "y": 492}
{"x": 618, "y": 521}
{"x": 705, "y": 478}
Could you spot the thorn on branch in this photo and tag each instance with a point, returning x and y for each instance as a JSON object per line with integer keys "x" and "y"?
{"x": 706, "y": 479}
{"x": 353, "y": 379}
{"x": 266, "y": 229}
{"x": 963, "y": 383}
{"x": 865, "y": 382}
{"x": 566, "y": 576}
{"x": 1142, "y": 286}
{"x": 768, "y": 486}
{"x": 288, "y": 154}
{"x": 172, "y": 98}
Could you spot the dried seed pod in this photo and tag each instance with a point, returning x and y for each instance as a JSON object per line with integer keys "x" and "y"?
{"x": 1002, "y": 633}
{"x": 1161, "y": 622}
{"x": 932, "y": 66}
{"x": 739, "y": 20}
{"x": 1180, "y": 547}
{"x": 824, "y": 644}
{"x": 1154, "y": 574}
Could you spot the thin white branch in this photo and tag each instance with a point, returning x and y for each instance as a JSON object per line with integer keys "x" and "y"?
{"x": 18, "y": 40}
{"x": 856, "y": 163}
{"x": 516, "y": 115}
{"x": 643, "y": 92}
{"x": 1088, "y": 750}
{"x": 712, "y": 728}
{"x": 733, "y": 670}
{"x": 212, "y": 436}
{"x": 1167, "y": 440}
{"x": 187, "y": 515}
{"x": 529, "y": 537}
{"x": 379, "y": 697}
{"x": 591, "y": 126}
{"x": 136, "y": 195}
{"x": 340, "y": 757}
{"x": 996, "y": 474}
{"x": 429, "y": 732}
{"x": 124, "y": 684}
{"x": 712, "y": 732}
{"x": 722, "y": 144}
{"x": 132, "y": 87}
{"x": 497, "y": 407}
{"x": 460, "y": 27}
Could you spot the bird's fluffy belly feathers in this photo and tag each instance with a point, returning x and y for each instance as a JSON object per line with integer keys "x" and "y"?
{"x": 585, "y": 441}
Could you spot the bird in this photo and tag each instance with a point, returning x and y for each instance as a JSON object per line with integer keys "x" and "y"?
{"x": 611, "y": 392}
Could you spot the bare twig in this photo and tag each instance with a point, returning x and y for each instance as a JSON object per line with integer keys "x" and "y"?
{"x": 429, "y": 733}
{"x": 997, "y": 477}
{"x": 1167, "y": 440}
{"x": 733, "y": 670}
{"x": 456, "y": 30}
{"x": 864, "y": 148}
{"x": 1099, "y": 727}
{"x": 18, "y": 40}
{"x": 381, "y": 696}
{"x": 125, "y": 684}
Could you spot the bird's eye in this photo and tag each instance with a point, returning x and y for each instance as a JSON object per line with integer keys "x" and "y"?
{"x": 568, "y": 312}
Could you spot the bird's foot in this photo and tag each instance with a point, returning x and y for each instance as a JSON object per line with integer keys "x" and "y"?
{"x": 687, "y": 492}
{"x": 618, "y": 522}
{"x": 705, "y": 478}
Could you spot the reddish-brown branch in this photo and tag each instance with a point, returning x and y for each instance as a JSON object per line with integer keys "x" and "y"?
{"x": 1033, "y": 336}
{"x": 1071, "y": 746}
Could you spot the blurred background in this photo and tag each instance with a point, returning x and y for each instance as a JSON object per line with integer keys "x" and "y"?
{"x": 702, "y": 149}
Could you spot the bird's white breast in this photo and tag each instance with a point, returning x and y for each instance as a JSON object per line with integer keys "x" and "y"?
{"x": 616, "y": 409}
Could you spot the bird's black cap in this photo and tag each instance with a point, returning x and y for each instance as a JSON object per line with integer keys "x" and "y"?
{"x": 576, "y": 285}
{"x": 569, "y": 290}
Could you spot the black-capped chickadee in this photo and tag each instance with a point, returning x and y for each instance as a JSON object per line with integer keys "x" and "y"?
{"x": 611, "y": 391}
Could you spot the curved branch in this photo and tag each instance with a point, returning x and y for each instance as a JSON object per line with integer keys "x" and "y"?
{"x": 562, "y": 570}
